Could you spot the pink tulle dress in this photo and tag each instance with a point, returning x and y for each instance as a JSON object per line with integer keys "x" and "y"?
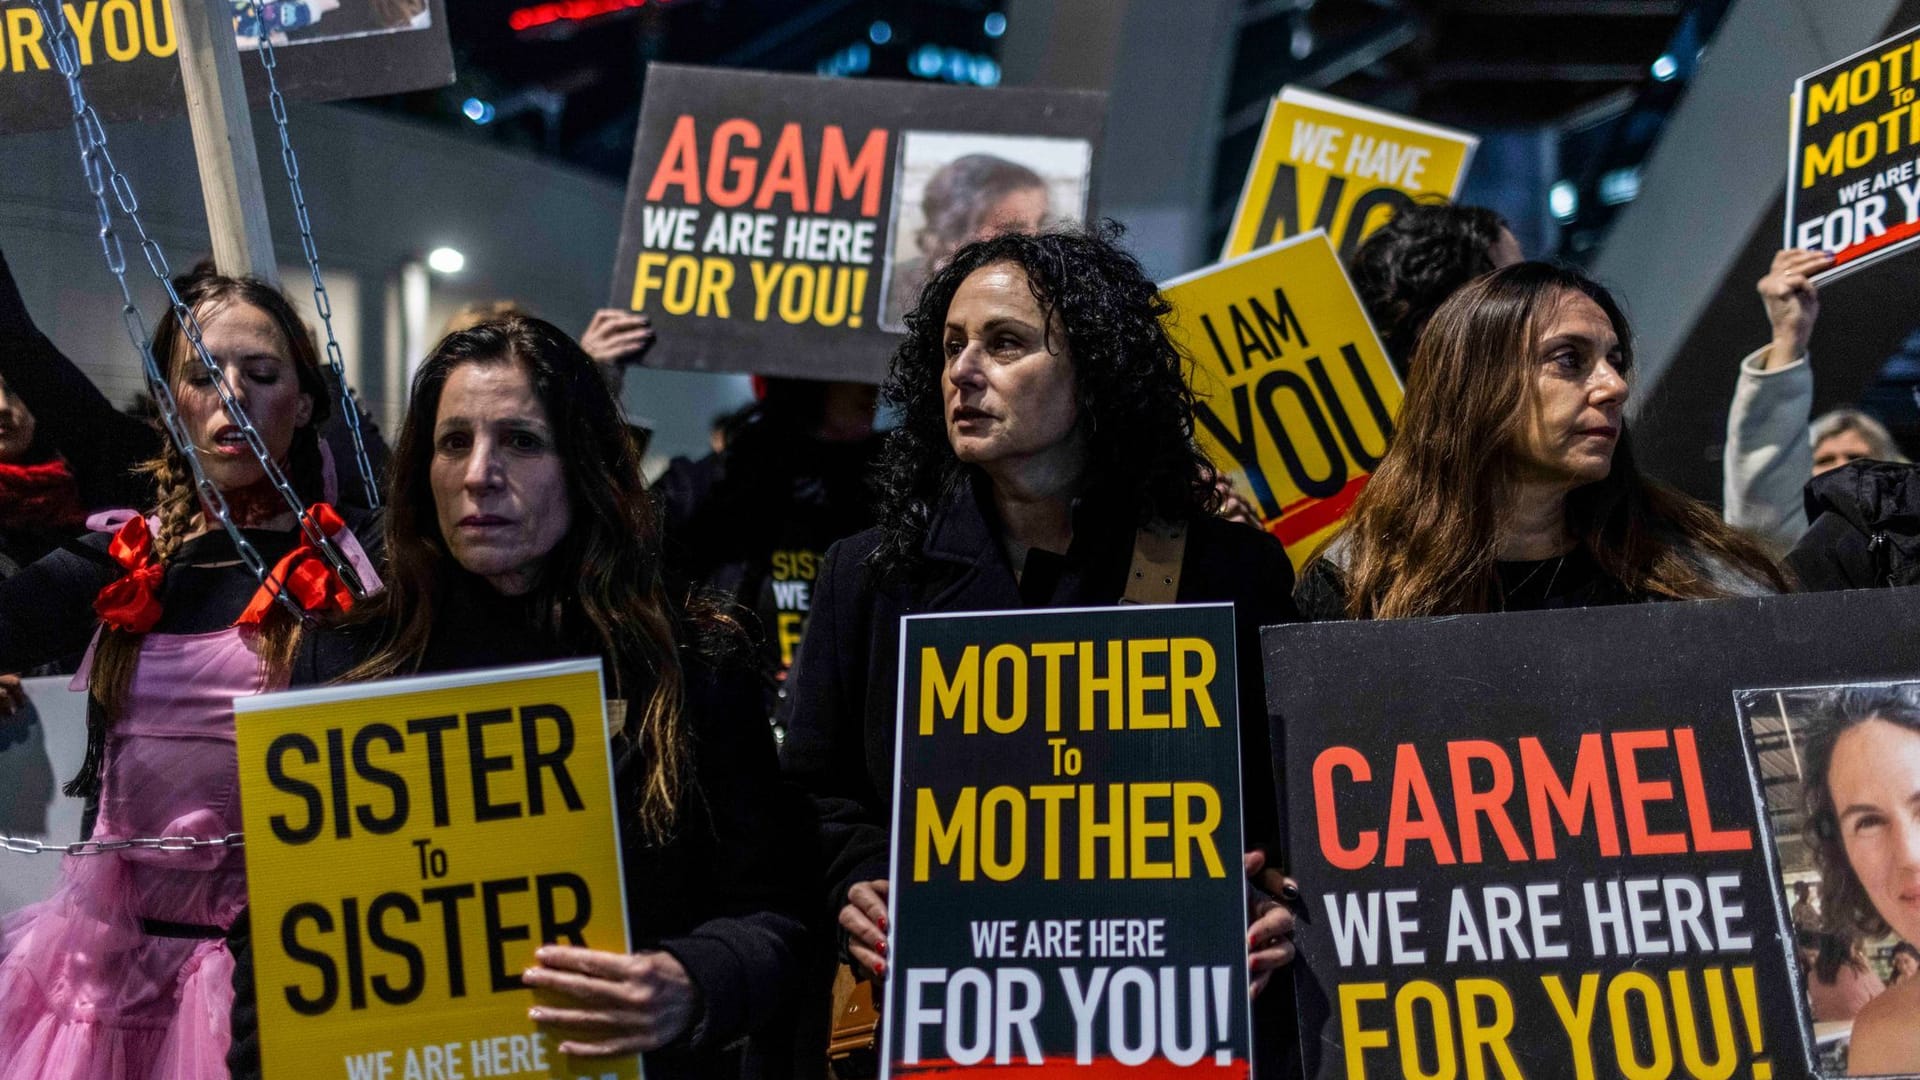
{"x": 106, "y": 979}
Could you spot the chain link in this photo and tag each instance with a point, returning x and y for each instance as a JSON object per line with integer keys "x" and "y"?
{"x": 102, "y": 174}
{"x": 321, "y": 302}
{"x": 20, "y": 845}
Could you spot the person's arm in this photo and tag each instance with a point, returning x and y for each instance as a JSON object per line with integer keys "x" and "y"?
{"x": 101, "y": 443}
{"x": 747, "y": 955}
{"x": 824, "y": 713}
{"x": 1768, "y": 458}
{"x": 46, "y": 610}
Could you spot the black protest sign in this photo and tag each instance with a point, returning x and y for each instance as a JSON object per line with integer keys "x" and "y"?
{"x": 1067, "y": 887}
{"x": 783, "y": 224}
{"x": 1528, "y": 843}
{"x": 130, "y": 67}
{"x": 1853, "y": 186}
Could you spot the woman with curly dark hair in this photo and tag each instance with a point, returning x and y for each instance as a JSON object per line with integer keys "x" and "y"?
{"x": 1410, "y": 265}
{"x": 1862, "y": 770}
{"x": 1045, "y": 442}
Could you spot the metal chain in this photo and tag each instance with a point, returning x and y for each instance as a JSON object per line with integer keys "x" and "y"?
{"x": 20, "y": 845}
{"x": 321, "y": 302}
{"x": 102, "y": 173}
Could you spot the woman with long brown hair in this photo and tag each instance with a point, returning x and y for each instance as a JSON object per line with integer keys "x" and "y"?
{"x": 1510, "y": 483}
{"x": 519, "y": 529}
{"x": 123, "y": 973}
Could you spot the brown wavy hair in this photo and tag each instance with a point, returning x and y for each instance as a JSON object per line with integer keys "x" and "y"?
{"x": 178, "y": 507}
{"x": 1423, "y": 535}
{"x": 1845, "y": 907}
{"x": 601, "y": 589}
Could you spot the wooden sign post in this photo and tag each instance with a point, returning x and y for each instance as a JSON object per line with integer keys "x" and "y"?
{"x": 223, "y": 140}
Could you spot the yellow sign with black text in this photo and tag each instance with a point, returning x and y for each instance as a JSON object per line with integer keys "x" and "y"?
{"x": 409, "y": 844}
{"x": 1324, "y": 163}
{"x": 1296, "y": 397}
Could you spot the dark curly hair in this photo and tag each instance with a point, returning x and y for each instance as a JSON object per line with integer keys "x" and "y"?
{"x": 1134, "y": 399}
{"x": 1845, "y": 907}
{"x": 1410, "y": 265}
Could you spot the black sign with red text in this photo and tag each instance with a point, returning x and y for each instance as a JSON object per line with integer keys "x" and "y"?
{"x": 783, "y": 224}
{"x": 1528, "y": 843}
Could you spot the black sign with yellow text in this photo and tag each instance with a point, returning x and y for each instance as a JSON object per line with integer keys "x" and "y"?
{"x": 129, "y": 55}
{"x": 1853, "y": 188}
{"x": 1067, "y": 888}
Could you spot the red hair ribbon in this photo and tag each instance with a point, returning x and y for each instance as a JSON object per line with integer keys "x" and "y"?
{"x": 132, "y": 602}
{"x": 305, "y": 574}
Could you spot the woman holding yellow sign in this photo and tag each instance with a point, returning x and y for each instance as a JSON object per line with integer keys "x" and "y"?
{"x": 520, "y": 530}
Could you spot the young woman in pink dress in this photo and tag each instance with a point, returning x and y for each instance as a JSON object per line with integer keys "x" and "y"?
{"x": 123, "y": 974}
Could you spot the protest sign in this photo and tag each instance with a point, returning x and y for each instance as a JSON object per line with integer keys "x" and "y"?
{"x": 128, "y": 49}
{"x": 1324, "y": 163}
{"x": 783, "y": 224}
{"x": 1836, "y": 768}
{"x": 1852, "y": 185}
{"x": 1528, "y": 845}
{"x": 1067, "y": 887}
{"x": 409, "y": 844}
{"x": 1296, "y": 396}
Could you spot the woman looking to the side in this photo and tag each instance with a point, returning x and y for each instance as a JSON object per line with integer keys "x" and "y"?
{"x": 1510, "y": 483}
{"x": 1046, "y": 431}
{"x": 519, "y": 529}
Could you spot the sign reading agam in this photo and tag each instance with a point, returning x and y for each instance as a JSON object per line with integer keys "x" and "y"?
{"x": 1296, "y": 396}
{"x": 1852, "y": 184}
{"x": 1324, "y": 163}
{"x": 1524, "y": 857}
{"x": 1066, "y": 885}
{"x": 409, "y": 844}
{"x": 784, "y": 224}
{"x": 128, "y": 55}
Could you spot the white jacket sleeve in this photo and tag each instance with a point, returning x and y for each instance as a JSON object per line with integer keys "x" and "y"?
{"x": 1768, "y": 459}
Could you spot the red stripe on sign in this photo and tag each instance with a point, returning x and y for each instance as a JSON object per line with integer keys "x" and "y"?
{"x": 1865, "y": 247}
{"x": 1302, "y": 519}
{"x": 1064, "y": 1069}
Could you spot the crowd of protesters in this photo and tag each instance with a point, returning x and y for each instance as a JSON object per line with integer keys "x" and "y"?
{"x": 1044, "y": 440}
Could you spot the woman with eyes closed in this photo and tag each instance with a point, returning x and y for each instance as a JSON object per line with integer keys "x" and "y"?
{"x": 122, "y": 973}
{"x": 1046, "y": 434}
{"x": 1862, "y": 768}
{"x": 519, "y": 529}
{"x": 1510, "y": 483}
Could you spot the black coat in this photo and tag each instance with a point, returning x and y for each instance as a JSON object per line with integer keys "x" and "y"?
{"x": 722, "y": 894}
{"x": 1866, "y": 528}
{"x": 840, "y": 742}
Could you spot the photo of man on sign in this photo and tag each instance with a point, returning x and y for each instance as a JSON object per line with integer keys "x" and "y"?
{"x": 957, "y": 188}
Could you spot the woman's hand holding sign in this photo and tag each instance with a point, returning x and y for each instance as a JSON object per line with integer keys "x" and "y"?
{"x": 865, "y": 921}
{"x": 1270, "y": 933}
{"x": 627, "y": 1002}
{"x": 1269, "y": 930}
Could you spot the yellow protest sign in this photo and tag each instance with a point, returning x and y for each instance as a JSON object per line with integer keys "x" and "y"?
{"x": 1297, "y": 398}
{"x": 409, "y": 844}
{"x": 1324, "y": 163}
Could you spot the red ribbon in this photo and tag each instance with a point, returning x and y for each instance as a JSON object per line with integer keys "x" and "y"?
{"x": 132, "y": 603}
{"x": 305, "y": 574}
